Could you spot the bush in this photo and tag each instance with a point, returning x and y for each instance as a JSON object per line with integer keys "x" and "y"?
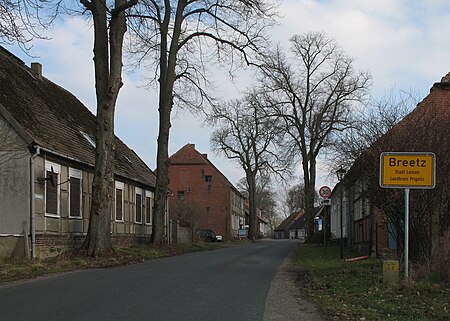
{"x": 440, "y": 258}
{"x": 317, "y": 238}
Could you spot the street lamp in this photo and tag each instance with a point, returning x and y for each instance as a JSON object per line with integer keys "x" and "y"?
{"x": 340, "y": 173}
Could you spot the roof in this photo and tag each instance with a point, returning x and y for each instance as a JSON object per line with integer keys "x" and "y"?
{"x": 48, "y": 116}
{"x": 188, "y": 155}
{"x": 289, "y": 220}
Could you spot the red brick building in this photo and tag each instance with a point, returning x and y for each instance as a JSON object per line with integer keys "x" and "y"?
{"x": 202, "y": 196}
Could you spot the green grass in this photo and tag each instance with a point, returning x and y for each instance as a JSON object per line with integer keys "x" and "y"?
{"x": 354, "y": 290}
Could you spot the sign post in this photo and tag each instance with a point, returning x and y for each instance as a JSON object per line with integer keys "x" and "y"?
{"x": 407, "y": 170}
{"x": 325, "y": 192}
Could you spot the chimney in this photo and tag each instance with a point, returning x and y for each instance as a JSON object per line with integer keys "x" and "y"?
{"x": 37, "y": 70}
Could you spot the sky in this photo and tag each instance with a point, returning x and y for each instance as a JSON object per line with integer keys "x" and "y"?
{"x": 404, "y": 44}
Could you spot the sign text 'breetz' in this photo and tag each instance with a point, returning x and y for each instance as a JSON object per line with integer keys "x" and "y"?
{"x": 407, "y": 170}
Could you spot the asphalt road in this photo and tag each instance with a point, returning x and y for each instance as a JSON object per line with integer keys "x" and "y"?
{"x": 222, "y": 285}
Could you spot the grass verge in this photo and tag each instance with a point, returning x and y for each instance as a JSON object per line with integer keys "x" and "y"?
{"x": 354, "y": 290}
{"x": 12, "y": 270}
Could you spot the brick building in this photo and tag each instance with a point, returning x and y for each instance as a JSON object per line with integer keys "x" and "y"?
{"x": 202, "y": 196}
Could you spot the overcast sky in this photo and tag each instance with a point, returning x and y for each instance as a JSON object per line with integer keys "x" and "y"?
{"x": 402, "y": 43}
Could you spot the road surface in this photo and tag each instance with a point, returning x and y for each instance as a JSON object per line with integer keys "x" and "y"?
{"x": 223, "y": 285}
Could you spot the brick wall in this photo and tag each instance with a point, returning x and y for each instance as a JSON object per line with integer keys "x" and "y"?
{"x": 48, "y": 245}
{"x": 205, "y": 189}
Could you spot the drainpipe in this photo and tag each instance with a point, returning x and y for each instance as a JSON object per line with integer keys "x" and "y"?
{"x": 32, "y": 202}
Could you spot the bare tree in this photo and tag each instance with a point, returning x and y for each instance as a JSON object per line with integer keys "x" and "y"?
{"x": 264, "y": 192}
{"x": 21, "y": 21}
{"x": 10, "y": 148}
{"x": 312, "y": 90}
{"x": 295, "y": 198}
{"x": 245, "y": 134}
{"x": 265, "y": 197}
{"x": 179, "y": 39}
{"x": 189, "y": 214}
{"x": 109, "y": 30}
{"x": 370, "y": 124}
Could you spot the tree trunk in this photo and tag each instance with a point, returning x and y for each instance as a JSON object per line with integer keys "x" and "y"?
{"x": 168, "y": 61}
{"x": 309, "y": 172}
{"x": 108, "y": 81}
{"x": 162, "y": 171}
{"x": 251, "y": 181}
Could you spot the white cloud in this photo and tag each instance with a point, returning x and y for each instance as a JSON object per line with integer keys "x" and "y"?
{"x": 67, "y": 59}
{"x": 402, "y": 43}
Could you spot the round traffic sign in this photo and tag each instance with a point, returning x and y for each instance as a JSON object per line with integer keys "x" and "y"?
{"x": 325, "y": 192}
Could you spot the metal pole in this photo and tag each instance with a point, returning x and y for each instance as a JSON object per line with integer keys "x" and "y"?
{"x": 406, "y": 272}
{"x": 341, "y": 241}
{"x": 324, "y": 226}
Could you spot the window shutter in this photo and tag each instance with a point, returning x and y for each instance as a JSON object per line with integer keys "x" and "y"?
{"x": 75, "y": 195}
{"x": 138, "y": 208}
{"x": 119, "y": 216}
{"x": 148, "y": 210}
{"x": 51, "y": 190}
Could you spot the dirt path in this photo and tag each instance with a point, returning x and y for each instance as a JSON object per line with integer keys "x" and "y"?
{"x": 284, "y": 301}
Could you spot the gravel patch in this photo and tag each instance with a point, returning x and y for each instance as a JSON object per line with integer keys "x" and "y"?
{"x": 285, "y": 302}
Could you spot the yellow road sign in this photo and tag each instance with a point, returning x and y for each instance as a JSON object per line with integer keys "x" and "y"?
{"x": 407, "y": 170}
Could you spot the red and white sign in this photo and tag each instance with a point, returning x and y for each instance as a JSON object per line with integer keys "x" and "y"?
{"x": 325, "y": 192}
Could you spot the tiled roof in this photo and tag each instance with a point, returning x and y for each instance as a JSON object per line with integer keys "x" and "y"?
{"x": 54, "y": 119}
{"x": 289, "y": 220}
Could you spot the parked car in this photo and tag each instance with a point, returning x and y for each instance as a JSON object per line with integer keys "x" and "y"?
{"x": 207, "y": 235}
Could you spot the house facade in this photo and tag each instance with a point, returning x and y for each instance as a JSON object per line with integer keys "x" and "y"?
{"x": 202, "y": 196}
{"x": 262, "y": 225}
{"x": 47, "y": 155}
{"x": 282, "y": 231}
{"x": 373, "y": 217}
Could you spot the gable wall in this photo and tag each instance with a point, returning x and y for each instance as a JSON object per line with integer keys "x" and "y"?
{"x": 14, "y": 188}
{"x": 212, "y": 199}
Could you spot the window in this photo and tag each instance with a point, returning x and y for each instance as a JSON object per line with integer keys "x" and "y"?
{"x": 119, "y": 202}
{"x": 181, "y": 195}
{"x": 138, "y": 218}
{"x": 52, "y": 171}
{"x": 208, "y": 178}
{"x": 148, "y": 207}
{"x": 75, "y": 200}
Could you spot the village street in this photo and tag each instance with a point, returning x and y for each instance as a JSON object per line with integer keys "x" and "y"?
{"x": 223, "y": 285}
